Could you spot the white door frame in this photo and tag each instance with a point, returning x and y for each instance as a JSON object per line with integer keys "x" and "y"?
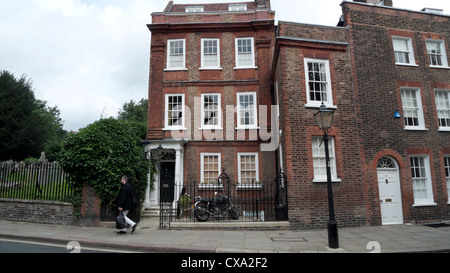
{"x": 389, "y": 188}
{"x": 152, "y": 196}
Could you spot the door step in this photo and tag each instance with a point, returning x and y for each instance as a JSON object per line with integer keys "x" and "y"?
{"x": 152, "y": 212}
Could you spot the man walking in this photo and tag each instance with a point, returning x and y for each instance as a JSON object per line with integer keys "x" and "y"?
{"x": 125, "y": 203}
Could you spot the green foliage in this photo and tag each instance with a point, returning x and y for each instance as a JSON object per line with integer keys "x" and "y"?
{"x": 101, "y": 154}
{"x": 27, "y": 125}
{"x": 136, "y": 114}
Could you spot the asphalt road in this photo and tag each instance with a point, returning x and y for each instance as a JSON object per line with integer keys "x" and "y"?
{"x": 16, "y": 246}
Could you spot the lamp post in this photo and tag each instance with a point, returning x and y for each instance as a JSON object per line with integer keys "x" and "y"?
{"x": 324, "y": 118}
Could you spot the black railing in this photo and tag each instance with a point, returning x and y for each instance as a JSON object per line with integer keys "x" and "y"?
{"x": 34, "y": 181}
{"x": 255, "y": 202}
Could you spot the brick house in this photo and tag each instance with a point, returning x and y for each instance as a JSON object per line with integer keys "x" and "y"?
{"x": 209, "y": 76}
{"x": 217, "y": 69}
{"x": 401, "y": 77}
{"x": 312, "y": 65}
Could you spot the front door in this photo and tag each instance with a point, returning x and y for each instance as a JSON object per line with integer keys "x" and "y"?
{"x": 167, "y": 182}
{"x": 390, "y": 195}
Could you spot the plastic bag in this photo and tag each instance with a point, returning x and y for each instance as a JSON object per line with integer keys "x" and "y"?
{"x": 120, "y": 221}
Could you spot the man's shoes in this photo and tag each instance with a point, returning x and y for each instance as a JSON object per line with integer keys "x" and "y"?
{"x": 134, "y": 227}
{"x": 121, "y": 232}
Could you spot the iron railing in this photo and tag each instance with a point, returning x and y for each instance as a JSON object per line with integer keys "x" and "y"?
{"x": 255, "y": 202}
{"x": 34, "y": 181}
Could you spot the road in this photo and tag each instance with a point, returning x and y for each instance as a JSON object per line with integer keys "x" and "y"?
{"x": 19, "y": 246}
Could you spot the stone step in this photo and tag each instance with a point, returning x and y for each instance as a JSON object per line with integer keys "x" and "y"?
{"x": 151, "y": 212}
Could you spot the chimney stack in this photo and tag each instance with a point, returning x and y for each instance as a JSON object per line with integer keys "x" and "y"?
{"x": 377, "y": 2}
{"x": 263, "y": 4}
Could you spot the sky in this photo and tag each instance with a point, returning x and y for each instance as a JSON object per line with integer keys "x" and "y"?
{"x": 89, "y": 57}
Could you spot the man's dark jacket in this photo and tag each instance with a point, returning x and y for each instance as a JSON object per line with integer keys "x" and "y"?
{"x": 125, "y": 197}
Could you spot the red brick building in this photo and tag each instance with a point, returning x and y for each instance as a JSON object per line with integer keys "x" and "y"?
{"x": 312, "y": 64}
{"x": 216, "y": 70}
{"x": 209, "y": 76}
{"x": 401, "y": 77}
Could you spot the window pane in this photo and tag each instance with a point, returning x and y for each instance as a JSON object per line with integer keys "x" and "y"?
{"x": 317, "y": 82}
{"x": 248, "y": 169}
{"x": 411, "y": 107}
{"x": 210, "y": 53}
{"x": 211, "y": 110}
{"x": 175, "y": 110}
{"x": 435, "y": 53}
{"x": 245, "y": 53}
{"x": 247, "y": 109}
{"x": 210, "y": 169}
{"x": 176, "y": 54}
{"x": 420, "y": 178}
{"x": 319, "y": 159}
{"x": 447, "y": 174}
{"x": 443, "y": 107}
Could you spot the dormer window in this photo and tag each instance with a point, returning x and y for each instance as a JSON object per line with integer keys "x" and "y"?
{"x": 237, "y": 7}
{"x": 194, "y": 9}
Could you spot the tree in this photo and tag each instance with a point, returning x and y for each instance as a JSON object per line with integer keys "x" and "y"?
{"x": 101, "y": 154}
{"x": 27, "y": 125}
{"x": 136, "y": 114}
{"x": 133, "y": 111}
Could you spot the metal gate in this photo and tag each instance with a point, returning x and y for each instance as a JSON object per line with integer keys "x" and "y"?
{"x": 281, "y": 209}
{"x": 255, "y": 202}
{"x": 166, "y": 194}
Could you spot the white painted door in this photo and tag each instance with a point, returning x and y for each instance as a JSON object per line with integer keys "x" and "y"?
{"x": 390, "y": 197}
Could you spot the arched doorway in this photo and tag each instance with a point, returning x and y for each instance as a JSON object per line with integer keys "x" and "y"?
{"x": 390, "y": 191}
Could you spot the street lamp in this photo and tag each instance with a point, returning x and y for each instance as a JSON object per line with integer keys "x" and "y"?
{"x": 324, "y": 118}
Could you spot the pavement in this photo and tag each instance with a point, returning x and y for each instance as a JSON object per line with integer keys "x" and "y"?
{"x": 149, "y": 238}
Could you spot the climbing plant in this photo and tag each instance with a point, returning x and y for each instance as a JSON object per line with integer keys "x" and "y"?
{"x": 101, "y": 154}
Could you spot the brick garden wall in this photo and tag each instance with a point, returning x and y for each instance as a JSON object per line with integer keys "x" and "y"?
{"x": 51, "y": 212}
{"x": 47, "y": 212}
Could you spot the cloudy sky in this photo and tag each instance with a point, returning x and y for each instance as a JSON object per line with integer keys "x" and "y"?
{"x": 88, "y": 57}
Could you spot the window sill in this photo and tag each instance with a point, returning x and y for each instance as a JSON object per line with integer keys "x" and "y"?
{"x": 211, "y": 128}
{"x": 410, "y": 65}
{"x": 425, "y": 205}
{"x": 174, "y": 69}
{"x": 415, "y": 129}
{"x": 249, "y": 187}
{"x": 210, "y": 68}
{"x": 324, "y": 180}
{"x": 210, "y": 187}
{"x": 309, "y": 105}
{"x": 245, "y": 67}
{"x": 444, "y": 129}
{"x": 174, "y": 129}
{"x": 247, "y": 128}
{"x": 439, "y": 67}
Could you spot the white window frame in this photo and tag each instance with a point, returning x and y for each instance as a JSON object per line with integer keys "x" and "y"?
{"x": 203, "y": 65}
{"x": 169, "y": 55}
{"x": 406, "y": 101}
{"x": 443, "y": 108}
{"x": 417, "y": 169}
{"x": 166, "y": 113}
{"x": 447, "y": 175}
{"x": 238, "y": 60}
{"x": 202, "y": 169}
{"x": 195, "y": 9}
{"x": 253, "y": 111}
{"x": 239, "y": 155}
{"x": 409, "y": 52}
{"x": 329, "y": 91}
{"x": 219, "y": 112}
{"x": 318, "y": 145}
{"x": 443, "y": 54}
{"x": 237, "y": 7}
